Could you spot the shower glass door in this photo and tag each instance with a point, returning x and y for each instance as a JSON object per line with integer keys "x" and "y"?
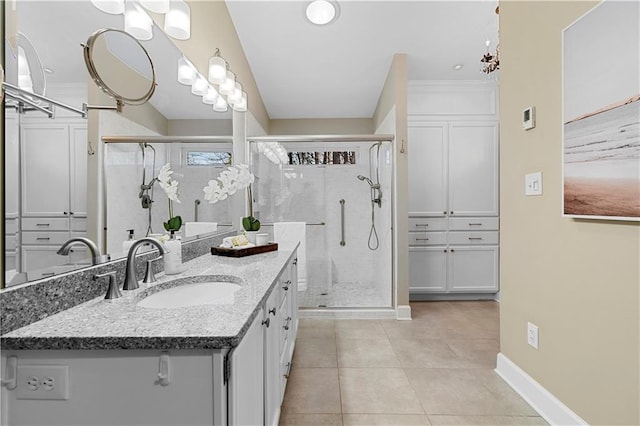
{"x": 342, "y": 191}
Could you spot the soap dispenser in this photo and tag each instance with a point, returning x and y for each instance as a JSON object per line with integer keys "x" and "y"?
{"x": 126, "y": 244}
{"x": 173, "y": 259}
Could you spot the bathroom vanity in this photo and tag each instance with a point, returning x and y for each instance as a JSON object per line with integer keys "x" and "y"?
{"x": 129, "y": 362}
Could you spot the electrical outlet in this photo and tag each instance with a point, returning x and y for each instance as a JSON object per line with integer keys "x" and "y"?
{"x": 532, "y": 335}
{"x": 43, "y": 382}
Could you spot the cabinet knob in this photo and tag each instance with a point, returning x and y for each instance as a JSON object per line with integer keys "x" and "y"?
{"x": 65, "y": 213}
{"x": 266, "y": 322}
{"x": 444, "y": 212}
{"x": 445, "y": 250}
{"x": 452, "y": 250}
{"x": 451, "y": 212}
{"x": 70, "y": 212}
{"x": 273, "y": 311}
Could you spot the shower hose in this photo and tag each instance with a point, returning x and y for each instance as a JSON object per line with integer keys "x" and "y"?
{"x": 373, "y": 242}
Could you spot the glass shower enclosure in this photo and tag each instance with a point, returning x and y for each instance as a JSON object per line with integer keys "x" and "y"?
{"x": 341, "y": 190}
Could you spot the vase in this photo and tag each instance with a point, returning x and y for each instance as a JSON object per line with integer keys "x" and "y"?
{"x": 251, "y": 236}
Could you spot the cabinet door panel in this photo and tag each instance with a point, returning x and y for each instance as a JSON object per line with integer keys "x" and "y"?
{"x": 427, "y": 169}
{"x": 78, "y": 182}
{"x": 45, "y": 169}
{"x": 427, "y": 269}
{"x": 473, "y": 269}
{"x": 246, "y": 391}
{"x": 272, "y": 395}
{"x": 473, "y": 169}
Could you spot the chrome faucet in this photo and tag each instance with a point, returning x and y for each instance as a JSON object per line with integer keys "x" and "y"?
{"x": 130, "y": 280}
{"x": 96, "y": 258}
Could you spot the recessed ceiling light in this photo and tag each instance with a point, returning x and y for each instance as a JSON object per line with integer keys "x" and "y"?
{"x": 321, "y": 12}
{"x": 458, "y": 67}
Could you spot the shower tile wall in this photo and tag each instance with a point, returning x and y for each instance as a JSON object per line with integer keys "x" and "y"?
{"x": 123, "y": 175}
{"x": 337, "y": 276}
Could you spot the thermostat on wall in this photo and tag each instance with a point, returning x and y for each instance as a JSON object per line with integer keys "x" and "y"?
{"x": 529, "y": 118}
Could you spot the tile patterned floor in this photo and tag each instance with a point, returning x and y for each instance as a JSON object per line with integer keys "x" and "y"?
{"x": 434, "y": 370}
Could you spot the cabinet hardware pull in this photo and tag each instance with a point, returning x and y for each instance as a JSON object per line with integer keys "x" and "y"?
{"x": 43, "y": 224}
{"x": 285, "y": 288}
{"x": 266, "y": 322}
{"x": 475, "y": 238}
{"x": 475, "y": 224}
{"x": 422, "y": 239}
{"x": 445, "y": 250}
{"x": 286, "y": 326}
{"x": 64, "y": 212}
{"x": 451, "y": 212}
{"x": 47, "y": 274}
{"x": 287, "y": 282}
{"x": 43, "y": 238}
{"x": 289, "y": 365}
{"x": 422, "y": 224}
{"x": 452, "y": 250}
{"x": 273, "y": 311}
{"x": 70, "y": 212}
{"x": 295, "y": 261}
{"x": 444, "y": 212}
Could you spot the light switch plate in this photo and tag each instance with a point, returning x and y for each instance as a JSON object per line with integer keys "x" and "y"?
{"x": 533, "y": 184}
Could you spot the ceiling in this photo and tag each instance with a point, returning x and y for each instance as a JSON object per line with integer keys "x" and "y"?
{"x": 307, "y": 71}
{"x": 302, "y": 70}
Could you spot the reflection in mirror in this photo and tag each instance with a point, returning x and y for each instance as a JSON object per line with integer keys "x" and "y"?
{"x": 46, "y": 159}
{"x": 137, "y": 202}
{"x": 120, "y": 66}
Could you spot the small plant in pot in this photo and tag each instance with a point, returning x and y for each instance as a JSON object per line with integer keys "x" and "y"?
{"x": 250, "y": 224}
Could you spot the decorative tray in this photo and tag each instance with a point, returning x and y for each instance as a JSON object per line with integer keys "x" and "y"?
{"x": 222, "y": 251}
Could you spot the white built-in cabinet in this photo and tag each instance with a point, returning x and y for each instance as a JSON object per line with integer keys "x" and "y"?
{"x": 53, "y": 192}
{"x": 453, "y": 188}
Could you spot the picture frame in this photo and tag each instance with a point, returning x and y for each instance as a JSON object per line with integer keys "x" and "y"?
{"x": 601, "y": 113}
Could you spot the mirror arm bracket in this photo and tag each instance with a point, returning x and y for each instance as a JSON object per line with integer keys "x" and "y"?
{"x": 118, "y": 107}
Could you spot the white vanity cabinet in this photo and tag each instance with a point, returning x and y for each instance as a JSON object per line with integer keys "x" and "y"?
{"x": 453, "y": 188}
{"x": 243, "y": 385}
{"x": 268, "y": 347}
{"x": 53, "y": 191}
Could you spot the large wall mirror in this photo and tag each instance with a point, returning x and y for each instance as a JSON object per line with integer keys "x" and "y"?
{"x": 47, "y": 156}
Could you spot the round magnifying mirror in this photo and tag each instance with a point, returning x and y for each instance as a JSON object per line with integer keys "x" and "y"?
{"x": 120, "y": 66}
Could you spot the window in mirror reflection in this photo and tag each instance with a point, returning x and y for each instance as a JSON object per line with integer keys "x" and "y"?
{"x": 208, "y": 158}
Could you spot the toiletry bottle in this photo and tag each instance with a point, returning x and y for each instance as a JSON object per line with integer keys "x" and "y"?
{"x": 126, "y": 244}
{"x": 173, "y": 259}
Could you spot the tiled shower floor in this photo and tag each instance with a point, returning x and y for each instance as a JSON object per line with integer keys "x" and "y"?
{"x": 344, "y": 295}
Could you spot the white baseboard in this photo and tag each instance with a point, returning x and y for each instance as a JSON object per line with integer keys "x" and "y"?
{"x": 548, "y": 406}
{"x": 403, "y": 313}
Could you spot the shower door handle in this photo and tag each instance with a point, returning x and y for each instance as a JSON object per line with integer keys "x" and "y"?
{"x": 342, "y": 242}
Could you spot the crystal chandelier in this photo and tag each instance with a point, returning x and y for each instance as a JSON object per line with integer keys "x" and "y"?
{"x": 491, "y": 63}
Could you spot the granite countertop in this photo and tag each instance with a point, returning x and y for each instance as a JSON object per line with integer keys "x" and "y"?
{"x": 120, "y": 324}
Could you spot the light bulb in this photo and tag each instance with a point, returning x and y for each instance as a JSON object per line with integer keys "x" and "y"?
{"x": 220, "y": 105}
{"x": 114, "y": 7}
{"x": 200, "y": 86}
{"x": 137, "y": 22}
{"x": 211, "y": 96}
{"x": 242, "y": 105}
{"x": 217, "y": 70}
{"x": 236, "y": 96}
{"x": 155, "y": 6}
{"x": 229, "y": 84}
{"x": 177, "y": 22}
{"x": 186, "y": 72}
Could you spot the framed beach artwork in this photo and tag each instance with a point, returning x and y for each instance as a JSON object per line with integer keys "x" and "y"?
{"x": 601, "y": 113}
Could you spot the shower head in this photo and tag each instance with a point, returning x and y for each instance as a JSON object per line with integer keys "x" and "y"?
{"x": 371, "y": 184}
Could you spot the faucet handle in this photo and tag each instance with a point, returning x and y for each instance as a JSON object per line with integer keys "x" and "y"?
{"x": 113, "y": 292}
{"x": 149, "y": 275}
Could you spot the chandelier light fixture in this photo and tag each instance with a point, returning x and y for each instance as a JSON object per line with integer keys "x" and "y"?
{"x": 113, "y": 7}
{"x": 177, "y": 21}
{"x": 491, "y": 62}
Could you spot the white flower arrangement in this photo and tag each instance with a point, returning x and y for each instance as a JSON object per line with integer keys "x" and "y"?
{"x": 170, "y": 187}
{"x": 228, "y": 183}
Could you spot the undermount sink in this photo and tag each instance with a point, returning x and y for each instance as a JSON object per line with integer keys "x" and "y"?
{"x": 197, "y": 228}
{"x": 192, "y": 294}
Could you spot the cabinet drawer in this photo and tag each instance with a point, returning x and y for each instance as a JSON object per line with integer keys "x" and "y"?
{"x": 473, "y": 224}
{"x": 10, "y": 226}
{"x": 45, "y": 224}
{"x": 473, "y": 238}
{"x": 427, "y": 224}
{"x": 427, "y": 238}
{"x": 10, "y": 243}
{"x": 44, "y": 238}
